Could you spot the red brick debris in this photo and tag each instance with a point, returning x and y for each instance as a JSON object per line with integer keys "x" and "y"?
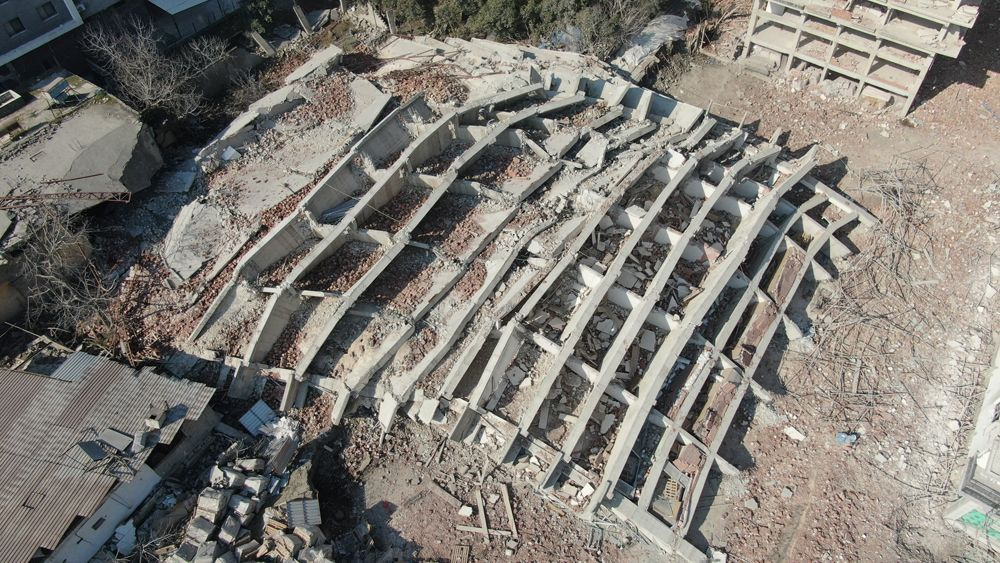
{"x": 434, "y": 81}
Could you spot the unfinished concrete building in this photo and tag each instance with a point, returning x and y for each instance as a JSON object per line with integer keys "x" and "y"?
{"x": 976, "y": 508}
{"x": 882, "y": 48}
{"x": 581, "y": 273}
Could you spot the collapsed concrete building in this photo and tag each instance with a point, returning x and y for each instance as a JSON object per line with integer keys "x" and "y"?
{"x": 581, "y": 273}
{"x": 879, "y": 49}
{"x": 71, "y": 147}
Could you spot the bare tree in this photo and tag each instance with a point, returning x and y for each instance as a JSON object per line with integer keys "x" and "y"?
{"x": 607, "y": 25}
{"x": 245, "y": 88}
{"x": 631, "y": 15}
{"x": 64, "y": 285}
{"x": 144, "y": 75}
{"x": 204, "y": 51}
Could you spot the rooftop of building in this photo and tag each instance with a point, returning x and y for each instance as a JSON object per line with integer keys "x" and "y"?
{"x": 66, "y": 439}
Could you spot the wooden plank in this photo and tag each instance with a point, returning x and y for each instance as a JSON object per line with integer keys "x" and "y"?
{"x": 482, "y": 514}
{"x": 510, "y": 510}
{"x": 476, "y": 530}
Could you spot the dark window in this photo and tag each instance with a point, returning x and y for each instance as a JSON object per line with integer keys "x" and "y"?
{"x": 14, "y": 26}
{"x": 98, "y": 523}
{"x": 46, "y": 10}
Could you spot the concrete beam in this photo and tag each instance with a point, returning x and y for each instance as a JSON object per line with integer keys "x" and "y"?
{"x": 667, "y": 354}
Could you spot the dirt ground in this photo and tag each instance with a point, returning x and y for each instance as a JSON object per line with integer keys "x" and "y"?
{"x": 408, "y": 519}
{"x": 883, "y": 498}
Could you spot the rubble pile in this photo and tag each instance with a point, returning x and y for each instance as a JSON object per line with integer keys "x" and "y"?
{"x": 238, "y": 492}
{"x": 331, "y": 99}
{"x": 407, "y": 280}
{"x": 473, "y": 280}
{"x": 435, "y": 82}
{"x": 341, "y": 270}
{"x": 287, "y": 349}
{"x": 452, "y": 225}
{"x": 500, "y": 163}
{"x": 440, "y": 163}
{"x": 278, "y": 271}
{"x": 314, "y": 418}
{"x": 236, "y": 335}
{"x": 398, "y": 212}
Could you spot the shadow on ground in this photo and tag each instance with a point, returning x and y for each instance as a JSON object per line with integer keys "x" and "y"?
{"x": 360, "y": 532}
{"x": 979, "y": 58}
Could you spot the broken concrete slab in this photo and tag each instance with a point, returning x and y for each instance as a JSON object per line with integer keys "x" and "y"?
{"x": 230, "y": 530}
{"x": 208, "y": 551}
{"x": 191, "y": 241}
{"x": 199, "y": 530}
{"x": 592, "y": 154}
{"x": 560, "y": 143}
{"x": 369, "y": 102}
{"x": 179, "y": 180}
{"x": 278, "y": 102}
{"x": 319, "y": 64}
{"x": 794, "y": 434}
{"x": 607, "y": 423}
{"x": 428, "y": 411}
{"x": 648, "y": 341}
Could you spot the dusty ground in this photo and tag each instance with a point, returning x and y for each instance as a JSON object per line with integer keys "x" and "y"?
{"x": 881, "y": 500}
{"x": 813, "y": 499}
{"x": 405, "y": 514}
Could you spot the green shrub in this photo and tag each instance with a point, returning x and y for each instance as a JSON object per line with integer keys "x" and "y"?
{"x": 450, "y": 16}
{"x": 498, "y": 18}
{"x": 542, "y": 18}
{"x": 260, "y": 13}
{"x": 600, "y": 33}
{"x": 409, "y": 12}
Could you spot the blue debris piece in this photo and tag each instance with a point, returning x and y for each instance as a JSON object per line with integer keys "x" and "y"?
{"x": 846, "y": 438}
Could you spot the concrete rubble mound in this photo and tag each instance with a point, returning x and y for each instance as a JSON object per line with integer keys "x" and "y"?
{"x": 568, "y": 269}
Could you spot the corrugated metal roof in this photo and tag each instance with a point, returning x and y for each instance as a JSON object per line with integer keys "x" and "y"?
{"x": 47, "y": 480}
{"x": 303, "y": 513}
{"x": 75, "y": 367}
{"x": 259, "y": 415}
{"x": 174, "y": 7}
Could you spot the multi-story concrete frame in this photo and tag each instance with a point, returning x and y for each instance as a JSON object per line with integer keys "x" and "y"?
{"x": 884, "y": 47}
{"x": 30, "y": 24}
